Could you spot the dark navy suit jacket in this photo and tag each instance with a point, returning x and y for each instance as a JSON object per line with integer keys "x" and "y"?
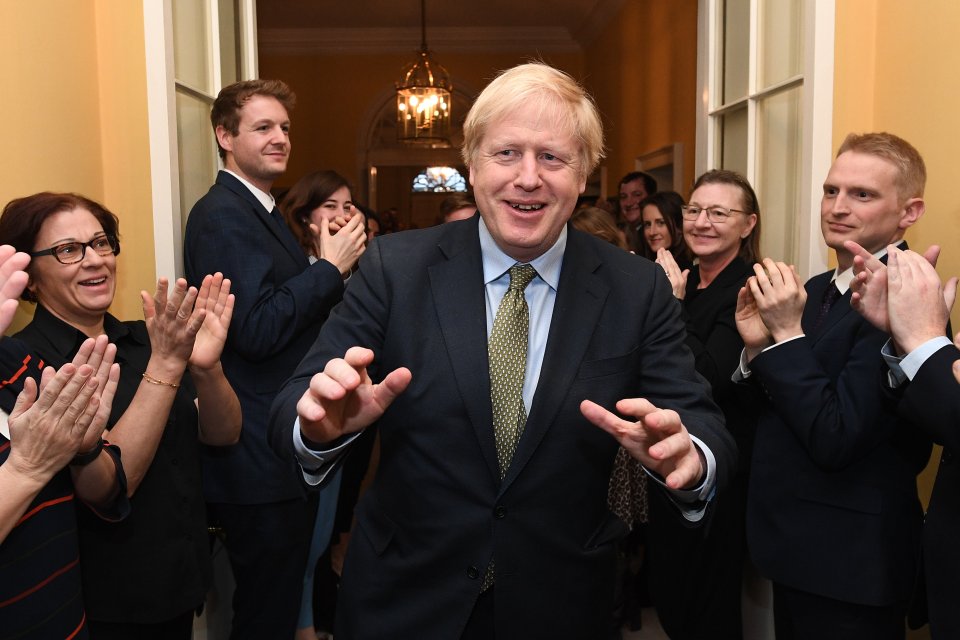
{"x": 833, "y": 507}
{"x": 932, "y": 399}
{"x": 281, "y": 302}
{"x": 437, "y": 510}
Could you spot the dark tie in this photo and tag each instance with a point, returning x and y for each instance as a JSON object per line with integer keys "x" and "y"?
{"x": 278, "y": 217}
{"x": 507, "y": 352}
{"x": 831, "y": 295}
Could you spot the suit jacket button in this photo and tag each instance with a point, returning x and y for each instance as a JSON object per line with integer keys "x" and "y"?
{"x": 947, "y": 456}
{"x": 500, "y": 512}
{"x": 473, "y": 573}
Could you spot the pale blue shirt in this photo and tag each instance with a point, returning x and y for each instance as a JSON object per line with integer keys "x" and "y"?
{"x": 540, "y": 294}
{"x": 903, "y": 369}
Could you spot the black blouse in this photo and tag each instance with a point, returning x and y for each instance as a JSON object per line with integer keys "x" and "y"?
{"x": 155, "y": 564}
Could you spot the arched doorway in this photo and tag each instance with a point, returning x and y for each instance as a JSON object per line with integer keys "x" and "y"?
{"x": 389, "y": 167}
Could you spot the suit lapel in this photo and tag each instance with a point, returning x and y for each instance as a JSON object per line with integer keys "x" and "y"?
{"x": 282, "y": 234}
{"x": 461, "y": 312}
{"x": 815, "y": 290}
{"x": 580, "y": 298}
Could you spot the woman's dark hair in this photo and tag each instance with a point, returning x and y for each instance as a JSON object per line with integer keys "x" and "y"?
{"x": 310, "y": 191}
{"x": 669, "y": 204}
{"x": 22, "y": 219}
{"x": 749, "y": 246}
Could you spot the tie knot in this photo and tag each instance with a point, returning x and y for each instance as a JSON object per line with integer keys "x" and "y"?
{"x": 520, "y": 276}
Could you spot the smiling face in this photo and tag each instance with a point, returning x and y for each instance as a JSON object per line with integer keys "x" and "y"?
{"x": 260, "y": 149}
{"x": 631, "y": 193}
{"x": 655, "y": 229}
{"x": 339, "y": 204}
{"x": 861, "y": 202}
{"x": 78, "y": 293}
{"x": 526, "y": 179}
{"x": 717, "y": 243}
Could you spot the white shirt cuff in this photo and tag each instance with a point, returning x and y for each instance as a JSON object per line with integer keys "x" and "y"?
{"x": 744, "y": 371}
{"x": 692, "y": 503}
{"x": 911, "y": 363}
{"x": 315, "y": 465}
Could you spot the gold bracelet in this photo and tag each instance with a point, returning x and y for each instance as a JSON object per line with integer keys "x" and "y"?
{"x": 149, "y": 378}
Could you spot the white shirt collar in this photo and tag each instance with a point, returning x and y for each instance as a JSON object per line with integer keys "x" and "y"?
{"x": 843, "y": 279}
{"x": 263, "y": 197}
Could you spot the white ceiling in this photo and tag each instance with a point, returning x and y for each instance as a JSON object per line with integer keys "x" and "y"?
{"x": 376, "y": 26}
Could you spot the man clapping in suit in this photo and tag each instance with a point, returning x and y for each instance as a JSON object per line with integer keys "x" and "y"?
{"x": 833, "y": 517}
{"x": 254, "y": 495}
{"x": 905, "y": 299}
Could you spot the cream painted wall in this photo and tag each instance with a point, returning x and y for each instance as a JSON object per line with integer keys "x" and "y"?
{"x": 890, "y": 63}
{"x": 889, "y": 76}
{"x": 125, "y": 160}
{"x": 76, "y": 115}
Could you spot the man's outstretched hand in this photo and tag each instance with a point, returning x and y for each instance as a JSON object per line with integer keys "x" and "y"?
{"x": 657, "y": 438}
{"x": 342, "y": 399}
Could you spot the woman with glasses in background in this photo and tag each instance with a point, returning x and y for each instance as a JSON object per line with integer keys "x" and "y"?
{"x": 721, "y": 228}
{"x": 146, "y": 576}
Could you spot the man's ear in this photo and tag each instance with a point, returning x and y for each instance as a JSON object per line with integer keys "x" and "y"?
{"x": 224, "y": 137}
{"x": 913, "y": 208}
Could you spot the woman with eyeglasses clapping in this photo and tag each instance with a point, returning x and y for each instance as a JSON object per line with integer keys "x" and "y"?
{"x": 146, "y": 576}
{"x": 721, "y": 228}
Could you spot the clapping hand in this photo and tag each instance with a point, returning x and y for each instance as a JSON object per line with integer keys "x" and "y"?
{"x": 918, "y": 304}
{"x": 215, "y": 298}
{"x": 677, "y": 278}
{"x": 756, "y": 337}
{"x": 779, "y": 296}
{"x": 13, "y": 279}
{"x": 870, "y": 286}
{"x": 172, "y": 323}
{"x": 69, "y": 415}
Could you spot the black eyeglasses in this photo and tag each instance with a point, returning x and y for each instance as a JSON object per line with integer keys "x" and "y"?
{"x": 715, "y": 214}
{"x": 73, "y": 252}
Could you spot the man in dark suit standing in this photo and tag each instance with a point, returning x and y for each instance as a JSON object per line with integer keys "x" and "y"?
{"x": 833, "y": 517}
{"x": 253, "y": 494}
{"x": 906, "y": 300}
{"x": 488, "y": 513}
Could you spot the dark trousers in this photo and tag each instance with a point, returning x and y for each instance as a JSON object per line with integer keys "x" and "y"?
{"x": 481, "y": 625}
{"x": 267, "y": 545}
{"x": 799, "y": 615}
{"x": 180, "y": 627}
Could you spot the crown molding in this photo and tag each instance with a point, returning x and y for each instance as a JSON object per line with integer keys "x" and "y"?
{"x": 322, "y": 41}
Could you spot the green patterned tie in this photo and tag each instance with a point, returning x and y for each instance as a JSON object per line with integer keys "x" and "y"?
{"x": 507, "y": 352}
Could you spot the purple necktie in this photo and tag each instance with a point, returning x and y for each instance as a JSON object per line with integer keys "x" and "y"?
{"x": 831, "y": 295}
